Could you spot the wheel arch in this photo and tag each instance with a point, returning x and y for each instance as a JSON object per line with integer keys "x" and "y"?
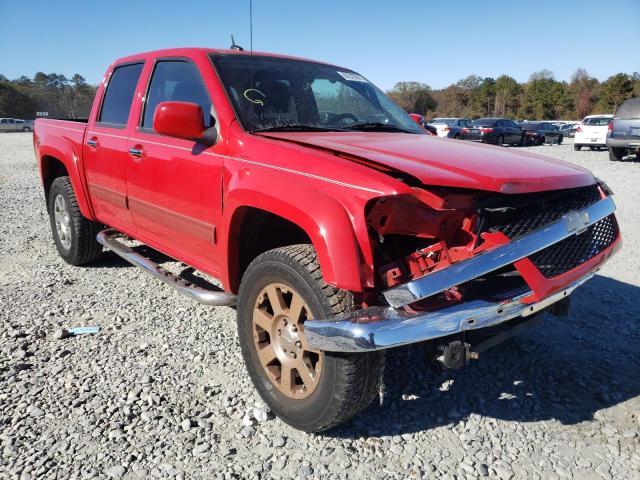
{"x": 259, "y": 221}
{"x": 54, "y": 163}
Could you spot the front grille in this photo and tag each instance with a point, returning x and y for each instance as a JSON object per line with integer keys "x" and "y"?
{"x": 521, "y": 214}
{"x": 576, "y": 249}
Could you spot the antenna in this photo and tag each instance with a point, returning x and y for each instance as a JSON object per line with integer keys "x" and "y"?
{"x": 234, "y": 46}
{"x": 251, "y": 44}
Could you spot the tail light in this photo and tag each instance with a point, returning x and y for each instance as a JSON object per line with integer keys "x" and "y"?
{"x": 465, "y": 130}
{"x": 610, "y": 126}
{"x": 578, "y": 130}
{"x": 486, "y": 130}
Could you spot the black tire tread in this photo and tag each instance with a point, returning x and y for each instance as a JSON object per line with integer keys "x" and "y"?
{"x": 361, "y": 372}
{"x": 86, "y": 248}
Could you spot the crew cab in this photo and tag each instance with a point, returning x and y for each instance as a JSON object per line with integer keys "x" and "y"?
{"x": 332, "y": 221}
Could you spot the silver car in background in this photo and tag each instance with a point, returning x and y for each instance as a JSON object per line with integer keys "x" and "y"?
{"x": 15, "y": 125}
{"x": 449, "y": 127}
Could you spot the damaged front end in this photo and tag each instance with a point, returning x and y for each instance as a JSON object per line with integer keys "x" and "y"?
{"x": 452, "y": 261}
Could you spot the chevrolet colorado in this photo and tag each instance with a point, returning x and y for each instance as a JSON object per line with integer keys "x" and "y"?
{"x": 335, "y": 224}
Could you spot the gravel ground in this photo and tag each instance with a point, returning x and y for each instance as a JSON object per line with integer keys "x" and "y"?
{"x": 161, "y": 391}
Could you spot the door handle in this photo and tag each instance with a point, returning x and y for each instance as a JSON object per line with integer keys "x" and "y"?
{"x": 136, "y": 152}
{"x": 92, "y": 142}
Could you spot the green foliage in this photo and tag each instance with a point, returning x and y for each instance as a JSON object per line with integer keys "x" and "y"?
{"x": 53, "y": 93}
{"x": 414, "y": 97}
{"x": 615, "y": 90}
{"x": 542, "y": 97}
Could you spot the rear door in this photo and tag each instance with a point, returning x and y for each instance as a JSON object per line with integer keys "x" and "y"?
{"x": 175, "y": 184}
{"x": 105, "y": 150}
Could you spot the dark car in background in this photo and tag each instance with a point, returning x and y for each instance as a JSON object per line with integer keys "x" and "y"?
{"x": 537, "y": 133}
{"x": 498, "y": 131}
{"x": 448, "y": 127}
{"x": 568, "y": 130}
{"x": 623, "y": 134}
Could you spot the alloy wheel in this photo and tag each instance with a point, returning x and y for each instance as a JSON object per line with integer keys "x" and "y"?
{"x": 278, "y": 333}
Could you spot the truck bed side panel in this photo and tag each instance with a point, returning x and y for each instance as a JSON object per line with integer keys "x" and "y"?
{"x": 62, "y": 140}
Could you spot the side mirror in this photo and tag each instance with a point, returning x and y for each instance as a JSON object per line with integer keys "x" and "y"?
{"x": 419, "y": 119}
{"x": 182, "y": 120}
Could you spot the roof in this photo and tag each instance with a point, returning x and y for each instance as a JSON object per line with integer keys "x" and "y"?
{"x": 190, "y": 51}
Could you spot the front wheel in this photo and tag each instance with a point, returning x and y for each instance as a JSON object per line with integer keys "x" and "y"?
{"x": 560, "y": 140}
{"x": 577, "y": 148}
{"x": 500, "y": 140}
{"x": 308, "y": 389}
{"x": 26, "y": 129}
{"x": 74, "y": 235}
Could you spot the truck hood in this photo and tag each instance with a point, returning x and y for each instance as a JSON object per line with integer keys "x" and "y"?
{"x": 451, "y": 163}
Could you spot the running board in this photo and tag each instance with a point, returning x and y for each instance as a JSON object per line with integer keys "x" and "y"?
{"x": 108, "y": 238}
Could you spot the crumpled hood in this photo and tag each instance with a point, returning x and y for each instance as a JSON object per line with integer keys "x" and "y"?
{"x": 446, "y": 162}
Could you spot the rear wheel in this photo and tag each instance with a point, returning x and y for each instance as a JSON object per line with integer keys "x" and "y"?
{"x": 74, "y": 235}
{"x": 577, "y": 147}
{"x": 310, "y": 390}
{"x": 26, "y": 129}
{"x": 616, "y": 154}
{"x": 560, "y": 140}
{"x": 500, "y": 140}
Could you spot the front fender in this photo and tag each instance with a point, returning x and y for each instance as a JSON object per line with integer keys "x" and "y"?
{"x": 324, "y": 219}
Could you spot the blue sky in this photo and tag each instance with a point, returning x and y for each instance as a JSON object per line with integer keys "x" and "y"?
{"x": 435, "y": 42}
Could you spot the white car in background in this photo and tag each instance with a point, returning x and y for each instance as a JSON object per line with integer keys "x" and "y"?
{"x": 592, "y": 132}
{"x": 449, "y": 127}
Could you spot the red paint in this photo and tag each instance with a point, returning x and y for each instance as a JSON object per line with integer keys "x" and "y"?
{"x": 178, "y": 119}
{"x": 189, "y": 200}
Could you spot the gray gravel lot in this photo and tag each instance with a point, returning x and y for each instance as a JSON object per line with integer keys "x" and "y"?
{"x": 161, "y": 391}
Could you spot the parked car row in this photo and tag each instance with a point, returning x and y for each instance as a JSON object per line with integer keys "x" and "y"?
{"x": 619, "y": 133}
{"x": 15, "y": 125}
{"x": 494, "y": 130}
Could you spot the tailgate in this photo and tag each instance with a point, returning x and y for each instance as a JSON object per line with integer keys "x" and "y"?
{"x": 626, "y": 129}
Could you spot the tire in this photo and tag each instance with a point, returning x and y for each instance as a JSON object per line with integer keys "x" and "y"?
{"x": 616, "y": 154}
{"x": 577, "y": 148}
{"x": 500, "y": 140}
{"x": 542, "y": 141}
{"x": 560, "y": 138}
{"x": 74, "y": 235}
{"x": 456, "y": 136}
{"x": 26, "y": 129}
{"x": 347, "y": 383}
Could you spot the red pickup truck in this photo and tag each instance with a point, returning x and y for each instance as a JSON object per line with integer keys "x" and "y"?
{"x": 337, "y": 226}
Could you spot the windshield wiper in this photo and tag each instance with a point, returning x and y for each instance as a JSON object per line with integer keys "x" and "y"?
{"x": 376, "y": 126}
{"x": 297, "y": 127}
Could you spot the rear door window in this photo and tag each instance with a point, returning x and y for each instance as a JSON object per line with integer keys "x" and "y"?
{"x": 117, "y": 99}
{"x": 177, "y": 81}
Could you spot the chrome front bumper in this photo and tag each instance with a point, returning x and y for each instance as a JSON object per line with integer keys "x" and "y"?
{"x": 377, "y": 328}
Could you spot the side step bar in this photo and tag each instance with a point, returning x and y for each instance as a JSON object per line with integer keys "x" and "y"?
{"x": 108, "y": 238}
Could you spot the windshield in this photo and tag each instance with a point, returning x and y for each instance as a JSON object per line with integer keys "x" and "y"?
{"x": 443, "y": 121}
{"x": 597, "y": 121}
{"x": 305, "y": 96}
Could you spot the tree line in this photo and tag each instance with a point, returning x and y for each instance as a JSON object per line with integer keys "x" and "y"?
{"x": 542, "y": 97}
{"x": 56, "y": 94}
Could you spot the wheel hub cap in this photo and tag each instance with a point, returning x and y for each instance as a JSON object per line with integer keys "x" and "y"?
{"x": 278, "y": 331}
{"x": 62, "y": 221}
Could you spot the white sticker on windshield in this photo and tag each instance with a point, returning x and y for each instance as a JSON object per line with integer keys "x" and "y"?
{"x": 352, "y": 77}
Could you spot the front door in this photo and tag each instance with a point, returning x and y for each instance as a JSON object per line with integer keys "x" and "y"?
{"x": 174, "y": 185}
{"x": 105, "y": 149}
